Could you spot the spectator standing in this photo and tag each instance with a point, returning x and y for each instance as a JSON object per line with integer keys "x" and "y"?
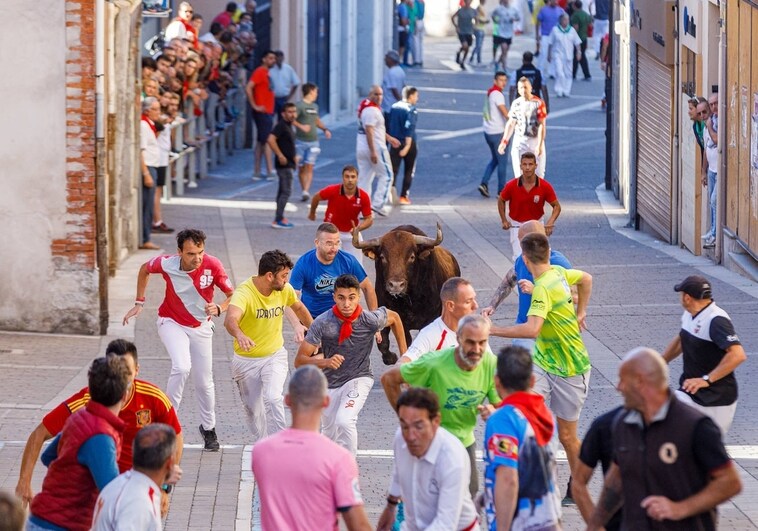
{"x": 149, "y": 162}
{"x": 427, "y": 454}
{"x": 581, "y": 21}
{"x": 226, "y": 17}
{"x": 520, "y": 481}
{"x": 164, "y": 146}
{"x": 698, "y": 125}
{"x": 503, "y": 18}
{"x": 371, "y": 151}
{"x": 81, "y": 460}
{"x": 563, "y": 49}
{"x": 494, "y": 119}
{"x": 181, "y": 27}
{"x": 184, "y": 320}
{"x": 345, "y": 203}
{"x": 282, "y": 143}
{"x": 129, "y": 501}
{"x": 711, "y": 351}
{"x": 526, "y": 122}
{"x": 711, "y": 137}
{"x": 345, "y": 334}
{"x": 547, "y": 19}
{"x": 420, "y": 9}
{"x": 674, "y": 469}
{"x": 526, "y": 197}
{"x": 392, "y": 82}
{"x": 284, "y": 81}
{"x": 403, "y": 29}
{"x": 462, "y": 379}
{"x": 410, "y": 48}
{"x": 601, "y": 23}
{"x": 307, "y": 123}
{"x": 260, "y": 95}
{"x": 255, "y": 319}
{"x": 322, "y": 468}
{"x": 480, "y": 24}
{"x": 315, "y": 272}
{"x": 402, "y": 125}
{"x": 463, "y": 20}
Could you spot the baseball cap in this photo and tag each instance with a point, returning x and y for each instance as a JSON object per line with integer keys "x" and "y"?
{"x": 392, "y": 54}
{"x": 696, "y": 287}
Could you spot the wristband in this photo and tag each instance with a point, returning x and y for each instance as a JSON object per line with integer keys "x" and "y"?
{"x": 392, "y": 500}
{"x": 219, "y": 309}
{"x": 140, "y": 299}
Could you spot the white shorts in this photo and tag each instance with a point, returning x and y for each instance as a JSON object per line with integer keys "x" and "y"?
{"x": 721, "y": 415}
{"x": 565, "y": 395}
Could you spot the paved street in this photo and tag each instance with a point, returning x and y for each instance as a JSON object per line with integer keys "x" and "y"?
{"x": 633, "y": 301}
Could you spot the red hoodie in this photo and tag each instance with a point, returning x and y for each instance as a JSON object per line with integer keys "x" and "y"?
{"x": 536, "y": 412}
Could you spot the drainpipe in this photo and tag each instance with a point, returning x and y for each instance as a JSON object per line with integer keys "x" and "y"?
{"x": 723, "y": 153}
{"x": 676, "y": 150}
{"x": 101, "y": 157}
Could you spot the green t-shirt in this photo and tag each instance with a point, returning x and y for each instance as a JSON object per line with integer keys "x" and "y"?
{"x": 581, "y": 19}
{"x": 559, "y": 348}
{"x": 459, "y": 391}
{"x": 307, "y": 114}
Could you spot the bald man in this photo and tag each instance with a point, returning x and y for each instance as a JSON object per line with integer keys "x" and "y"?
{"x": 670, "y": 464}
{"x": 520, "y": 276}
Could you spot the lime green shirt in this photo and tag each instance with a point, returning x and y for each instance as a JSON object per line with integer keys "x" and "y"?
{"x": 559, "y": 348}
{"x": 459, "y": 391}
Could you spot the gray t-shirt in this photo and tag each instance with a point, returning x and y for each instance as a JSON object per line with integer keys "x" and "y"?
{"x": 356, "y": 349}
{"x": 466, "y": 16}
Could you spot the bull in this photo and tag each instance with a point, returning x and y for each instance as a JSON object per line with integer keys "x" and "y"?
{"x": 410, "y": 270}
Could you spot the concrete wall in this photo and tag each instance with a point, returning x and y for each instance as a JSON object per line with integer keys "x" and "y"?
{"x": 47, "y": 204}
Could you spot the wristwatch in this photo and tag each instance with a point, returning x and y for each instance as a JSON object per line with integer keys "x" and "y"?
{"x": 707, "y": 378}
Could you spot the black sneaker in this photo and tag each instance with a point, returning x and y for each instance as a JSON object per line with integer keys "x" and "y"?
{"x": 210, "y": 439}
{"x": 568, "y": 499}
{"x": 484, "y": 190}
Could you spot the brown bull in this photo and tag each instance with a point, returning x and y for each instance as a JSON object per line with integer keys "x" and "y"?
{"x": 410, "y": 270}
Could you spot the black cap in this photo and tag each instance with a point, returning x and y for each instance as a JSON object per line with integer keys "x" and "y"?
{"x": 696, "y": 287}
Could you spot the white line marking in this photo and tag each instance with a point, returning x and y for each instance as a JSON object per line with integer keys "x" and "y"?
{"x": 452, "y": 90}
{"x": 245, "y": 513}
{"x": 43, "y": 367}
{"x": 573, "y": 128}
{"x": 222, "y": 203}
{"x": 447, "y": 111}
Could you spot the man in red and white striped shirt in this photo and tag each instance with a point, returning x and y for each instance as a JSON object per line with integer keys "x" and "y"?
{"x": 184, "y": 320}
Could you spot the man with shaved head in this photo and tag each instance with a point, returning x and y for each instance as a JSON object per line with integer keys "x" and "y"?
{"x": 670, "y": 464}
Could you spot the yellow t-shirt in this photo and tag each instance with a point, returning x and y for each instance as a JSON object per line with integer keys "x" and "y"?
{"x": 262, "y": 317}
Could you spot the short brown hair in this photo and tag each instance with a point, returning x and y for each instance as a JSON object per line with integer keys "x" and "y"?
{"x": 536, "y": 248}
{"x": 529, "y": 155}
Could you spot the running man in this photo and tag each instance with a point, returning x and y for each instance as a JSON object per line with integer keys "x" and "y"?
{"x": 184, "y": 321}
{"x": 255, "y": 320}
{"x": 463, "y": 20}
{"x": 346, "y": 335}
{"x": 526, "y": 123}
{"x": 561, "y": 362}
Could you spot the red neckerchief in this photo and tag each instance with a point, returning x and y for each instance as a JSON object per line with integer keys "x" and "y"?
{"x": 190, "y": 29}
{"x": 536, "y": 412}
{"x": 347, "y": 322}
{"x": 365, "y": 103}
{"x": 493, "y": 88}
{"x": 151, "y": 124}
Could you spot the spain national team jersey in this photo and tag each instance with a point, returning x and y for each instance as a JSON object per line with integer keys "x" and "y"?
{"x": 146, "y": 404}
{"x": 559, "y": 348}
{"x": 187, "y": 292}
{"x": 342, "y": 210}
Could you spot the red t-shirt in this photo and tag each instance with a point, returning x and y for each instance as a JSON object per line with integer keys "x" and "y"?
{"x": 224, "y": 19}
{"x": 263, "y": 93}
{"x": 147, "y": 404}
{"x": 343, "y": 210}
{"x": 525, "y": 206}
{"x": 187, "y": 292}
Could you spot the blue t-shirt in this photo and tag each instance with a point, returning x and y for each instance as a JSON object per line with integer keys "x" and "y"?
{"x": 316, "y": 280}
{"x": 522, "y": 273}
{"x": 505, "y": 434}
{"x": 549, "y": 17}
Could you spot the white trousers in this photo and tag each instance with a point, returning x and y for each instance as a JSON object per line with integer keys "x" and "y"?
{"x": 382, "y": 171}
{"x": 340, "y": 418}
{"x": 563, "y": 76}
{"x": 190, "y": 350}
{"x": 523, "y": 145}
{"x": 721, "y": 415}
{"x": 260, "y": 382}
{"x": 418, "y": 56}
{"x": 600, "y": 30}
{"x": 347, "y": 245}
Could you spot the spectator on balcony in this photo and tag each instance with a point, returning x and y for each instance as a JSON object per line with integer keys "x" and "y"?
{"x": 181, "y": 27}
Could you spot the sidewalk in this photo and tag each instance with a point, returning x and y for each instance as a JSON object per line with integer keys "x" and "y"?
{"x": 633, "y": 301}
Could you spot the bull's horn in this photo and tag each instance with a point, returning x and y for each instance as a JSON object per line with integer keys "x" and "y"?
{"x": 426, "y": 240}
{"x": 375, "y": 242}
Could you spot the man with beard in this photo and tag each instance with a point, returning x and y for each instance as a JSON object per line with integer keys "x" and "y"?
{"x": 462, "y": 377}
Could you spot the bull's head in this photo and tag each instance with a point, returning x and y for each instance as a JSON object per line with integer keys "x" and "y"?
{"x": 397, "y": 252}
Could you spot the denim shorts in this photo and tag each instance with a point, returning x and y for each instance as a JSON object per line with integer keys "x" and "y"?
{"x": 307, "y": 151}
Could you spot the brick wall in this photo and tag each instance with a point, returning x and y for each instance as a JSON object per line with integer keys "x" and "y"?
{"x": 76, "y": 250}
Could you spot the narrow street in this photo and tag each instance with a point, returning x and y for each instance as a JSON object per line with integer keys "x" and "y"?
{"x": 633, "y": 301}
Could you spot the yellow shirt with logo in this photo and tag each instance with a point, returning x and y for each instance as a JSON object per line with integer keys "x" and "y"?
{"x": 262, "y": 317}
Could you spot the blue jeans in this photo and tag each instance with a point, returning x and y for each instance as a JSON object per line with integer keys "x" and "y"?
{"x": 479, "y": 36}
{"x": 501, "y": 162}
{"x": 712, "y": 202}
{"x": 148, "y": 205}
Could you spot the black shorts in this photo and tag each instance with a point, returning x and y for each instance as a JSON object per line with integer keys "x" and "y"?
{"x": 402, "y": 39}
{"x": 466, "y": 38}
{"x": 264, "y": 123}
{"x": 160, "y": 180}
{"x": 501, "y": 40}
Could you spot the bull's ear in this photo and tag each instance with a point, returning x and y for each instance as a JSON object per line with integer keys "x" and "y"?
{"x": 423, "y": 255}
{"x": 369, "y": 253}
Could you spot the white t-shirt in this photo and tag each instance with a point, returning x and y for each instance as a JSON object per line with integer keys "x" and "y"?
{"x": 164, "y": 144}
{"x": 131, "y": 502}
{"x": 177, "y": 30}
{"x": 372, "y": 116}
{"x": 493, "y": 121}
{"x": 434, "y": 336}
{"x": 503, "y": 19}
{"x": 711, "y": 148}
{"x": 149, "y": 145}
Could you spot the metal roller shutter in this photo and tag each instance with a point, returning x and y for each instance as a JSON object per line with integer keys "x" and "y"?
{"x": 654, "y": 143}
